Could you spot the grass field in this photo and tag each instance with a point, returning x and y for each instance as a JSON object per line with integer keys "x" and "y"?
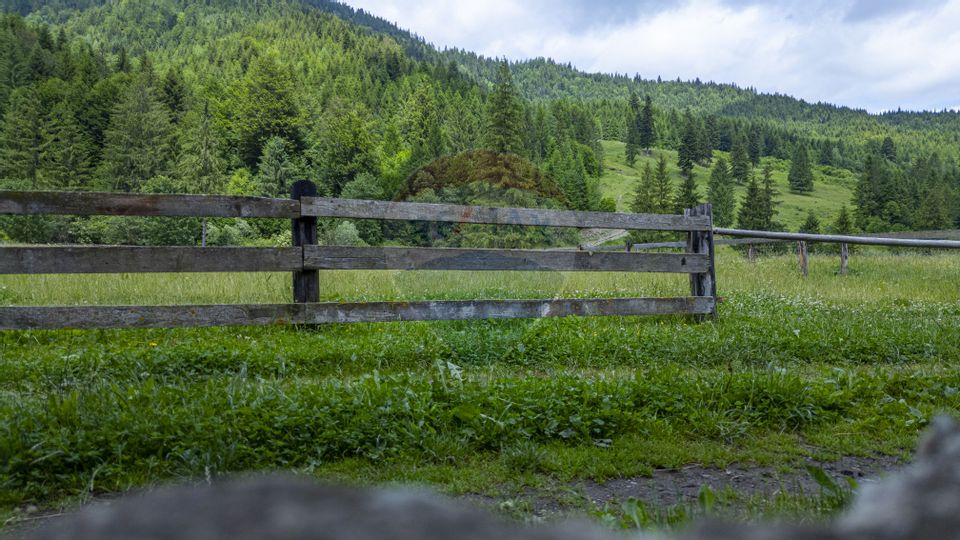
{"x": 833, "y": 187}
{"x": 521, "y": 414}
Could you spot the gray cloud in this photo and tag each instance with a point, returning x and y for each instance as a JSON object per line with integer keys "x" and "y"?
{"x": 873, "y": 54}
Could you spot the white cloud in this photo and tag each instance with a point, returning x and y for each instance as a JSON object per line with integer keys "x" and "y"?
{"x": 838, "y": 52}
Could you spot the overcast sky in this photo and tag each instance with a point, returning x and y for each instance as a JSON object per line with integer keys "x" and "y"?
{"x": 871, "y": 54}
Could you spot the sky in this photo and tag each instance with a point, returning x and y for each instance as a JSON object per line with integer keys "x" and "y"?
{"x": 871, "y": 54}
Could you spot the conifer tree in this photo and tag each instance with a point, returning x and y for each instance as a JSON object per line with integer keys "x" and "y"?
{"x": 768, "y": 200}
{"x": 173, "y": 94}
{"x": 751, "y": 215}
{"x": 504, "y": 115}
{"x": 687, "y": 197}
{"x": 843, "y": 223}
{"x": 66, "y": 152}
{"x": 648, "y": 134}
{"x": 633, "y": 129}
{"x": 276, "y": 172}
{"x": 200, "y": 165}
{"x": 888, "y": 149}
{"x": 263, "y": 106}
{"x": 811, "y": 225}
{"x": 801, "y": 174}
{"x": 739, "y": 161}
{"x": 138, "y": 140}
{"x": 688, "y": 153}
{"x": 644, "y": 201}
{"x": 755, "y": 145}
{"x": 720, "y": 194}
{"x": 662, "y": 188}
{"x": 20, "y": 137}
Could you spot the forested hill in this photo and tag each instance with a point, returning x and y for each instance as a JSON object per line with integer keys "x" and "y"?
{"x": 246, "y": 96}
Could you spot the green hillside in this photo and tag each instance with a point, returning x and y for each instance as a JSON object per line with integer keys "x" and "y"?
{"x": 834, "y": 187}
{"x": 245, "y": 97}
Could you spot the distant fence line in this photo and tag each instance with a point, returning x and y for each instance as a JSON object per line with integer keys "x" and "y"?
{"x": 305, "y": 259}
{"x": 749, "y": 238}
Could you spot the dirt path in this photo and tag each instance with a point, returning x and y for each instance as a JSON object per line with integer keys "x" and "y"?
{"x": 666, "y": 488}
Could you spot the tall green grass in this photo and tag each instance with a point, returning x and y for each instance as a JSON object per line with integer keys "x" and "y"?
{"x": 821, "y": 366}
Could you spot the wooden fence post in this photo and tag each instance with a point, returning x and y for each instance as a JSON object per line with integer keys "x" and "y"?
{"x": 751, "y": 253}
{"x": 306, "y": 283}
{"x": 704, "y": 284}
{"x": 844, "y": 257}
{"x": 802, "y": 254}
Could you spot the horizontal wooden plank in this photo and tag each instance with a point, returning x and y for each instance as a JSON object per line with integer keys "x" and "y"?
{"x": 406, "y": 211}
{"x": 139, "y": 204}
{"x": 124, "y": 259}
{"x": 35, "y": 318}
{"x": 401, "y": 258}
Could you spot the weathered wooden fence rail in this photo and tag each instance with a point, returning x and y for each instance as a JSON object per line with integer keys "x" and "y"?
{"x": 305, "y": 259}
{"x": 909, "y": 239}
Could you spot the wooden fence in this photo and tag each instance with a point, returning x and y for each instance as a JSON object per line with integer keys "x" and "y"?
{"x": 949, "y": 239}
{"x": 305, "y": 259}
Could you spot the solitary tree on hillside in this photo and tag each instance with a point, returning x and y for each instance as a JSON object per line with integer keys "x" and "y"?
{"x": 720, "y": 194}
{"x": 504, "y": 115}
{"x": 648, "y": 134}
{"x": 633, "y": 131}
{"x": 688, "y": 153}
{"x": 801, "y": 174}
{"x": 811, "y": 225}
{"x": 687, "y": 197}
{"x": 751, "y": 214}
{"x": 643, "y": 196}
{"x": 739, "y": 161}
{"x": 662, "y": 187}
{"x": 844, "y": 223}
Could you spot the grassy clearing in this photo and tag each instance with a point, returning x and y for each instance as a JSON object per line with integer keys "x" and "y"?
{"x": 833, "y": 187}
{"x": 821, "y": 367}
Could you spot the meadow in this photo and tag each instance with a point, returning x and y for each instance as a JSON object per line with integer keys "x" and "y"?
{"x": 523, "y": 415}
{"x": 833, "y": 187}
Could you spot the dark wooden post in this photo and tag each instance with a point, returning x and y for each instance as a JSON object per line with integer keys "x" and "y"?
{"x": 844, "y": 257}
{"x": 704, "y": 284}
{"x": 802, "y": 254}
{"x": 306, "y": 283}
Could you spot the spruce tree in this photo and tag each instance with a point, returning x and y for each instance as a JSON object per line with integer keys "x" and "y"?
{"x": 844, "y": 223}
{"x": 811, "y": 225}
{"x": 801, "y": 173}
{"x": 20, "y": 137}
{"x": 633, "y": 131}
{"x": 276, "y": 172}
{"x": 662, "y": 188}
{"x": 687, "y": 197}
{"x": 201, "y": 166}
{"x": 263, "y": 106}
{"x": 173, "y": 94}
{"x": 138, "y": 141}
{"x": 752, "y": 213}
{"x": 644, "y": 201}
{"x": 66, "y": 152}
{"x": 768, "y": 200}
{"x": 739, "y": 161}
{"x": 648, "y": 133}
{"x": 720, "y": 194}
{"x": 888, "y": 149}
{"x": 689, "y": 150}
{"x": 504, "y": 115}
{"x": 755, "y": 145}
